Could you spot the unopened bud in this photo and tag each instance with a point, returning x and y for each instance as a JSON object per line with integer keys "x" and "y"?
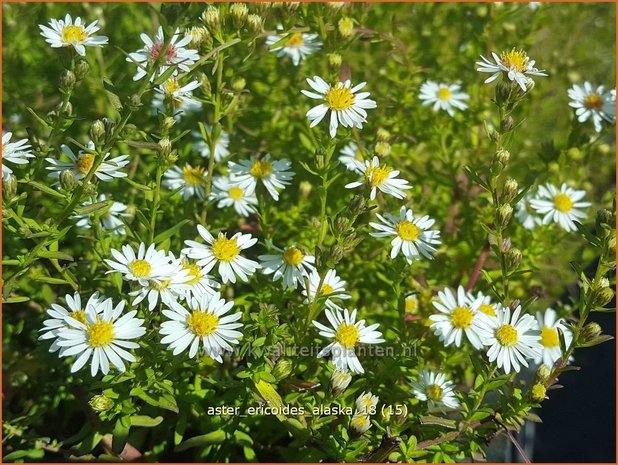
{"x": 342, "y": 224}
{"x": 305, "y": 188}
{"x": 97, "y": 131}
{"x": 82, "y": 68}
{"x": 503, "y": 157}
{"x": 205, "y": 83}
{"x": 339, "y": 381}
{"x": 505, "y": 212}
{"x": 605, "y": 220}
{"x": 212, "y": 19}
{"x": 67, "y": 81}
{"x": 255, "y": 23}
{"x": 291, "y": 6}
{"x": 101, "y": 403}
{"x": 239, "y": 84}
{"x": 67, "y": 180}
{"x": 382, "y": 148}
{"x": 168, "y": 122}
{"x": 383, "y": 134}
{"x": 199, "y": 36}
{"x": 591, "y": 331}
{"x": 135, "y": 101}
{"x": 538, "y": 392}
{"x": 513, "y": 258}
{"x": 9, "y": 187}
{"x": 507, "y": 124}
{"x": 239, "y": 13}
{"x": 511, "y": 188}
{"x": 503, "y": 92}
{"x": 601, "y": 293}
{"x": 530, "y": 85}
{"x": 543, "y": 373}
{"x": 387, "y": 413}
{"x": 165, "y": 146}
{"x": 345, "y": 26}
{"x": 334, "y": 60}
{"x": 335, "y": 6}
{"x": 282, "y": 369}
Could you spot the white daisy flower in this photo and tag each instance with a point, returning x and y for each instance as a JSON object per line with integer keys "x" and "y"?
{"x": 366, "y": 403}
{"x": 58, "y": 314}
{"x": 291, "y": 264}
{"x": 224, "y": 251}
{"x": 561, "y": 206}
{"x": 175, "y": 54}
{"x": 360, "y": 422}
{"x": 526, "y": 214}
{"x": 15, "y": 152}
{"x": 350, "y": 154}
{"x": 298, "y": 45}
{"x": 339, "y": 381}
{"x": 180, "y": 96}
{"x": 221, "y": 145}
{"x": 146, "y": 265}
{"x": 486, "y": 305}
{"x": 105, "y": 335}
{"x": 413, "y": 238}
{"x": 81, "y": 164}
{"x": 514, "y": 64}
{"x": 447, "y": 97}
{"x": 228, "y": 193}
{"x": 204, "y": 322}
{"x": 548, "y": 324}
{"x": 110, "y": 220}
{"x": 199, "y": 281}
{"x": 411, "y": 304}
{"x": 511, "y": 339}
{"x": 434, "y": 389}
{"x": 189, "y": 180}
{"x": 348, "y": 334}
{"x": 379, "y": 177}
{"x": 345, "y": 105}
{"x": 273, "y": 174}
{"x": 593, "y": 103}
{"x": 458, "y": 315}
{"x": 333, "y": 287}
{"x": 66, "y": 33}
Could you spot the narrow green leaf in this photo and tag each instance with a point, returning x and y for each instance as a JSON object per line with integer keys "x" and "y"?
{"x": 216, "y": 437}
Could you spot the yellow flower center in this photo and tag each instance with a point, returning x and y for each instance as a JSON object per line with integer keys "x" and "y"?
{"x": 377, "y": 175}
{"x": 549, "y": 337}
{"x": 444, "y": 93}
{"x": 434, "y": 392}
{"x": 225, "y": 249}
{"x": 80, "y": 316}
{"x": 85, "y": 162}
{"x": 339, "y": 98}
{"x": 507, "y": 335}
{"x": 461, "y": 317}
{"x": 261, "y": 169}
{"x": 161, "y": 285}
{"x": 140, "y": 268}
{"x": 411, "y": 304}
{"x": 72, "y": 34}
{"x": 293, "y": 256}
{"x": 359, "y": 422}
{"x": 488, "y": 309}
{"x": 326, "y": 289}
{"x": 296, "y": 41}
{"x": 516, "y": 60}
{"x": 235, "y": 193}
{"x": 194, "y": 272}
{"x": 408, "y": 231}
{"x": 563, "y": 202}
{"x": 100, "y": 334}
{"x": 193, "y": 176}
{"x": 171, "y": 86}
{"x": 593, "y": 101}
{"x": 347, "y": 335}
{"x": 201, "y": 323}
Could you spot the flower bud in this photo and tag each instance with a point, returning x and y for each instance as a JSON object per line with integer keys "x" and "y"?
{"x": 335, "y": 6}
{"x": 543, "y": 373}
{"x": 67, "y": 81}
{"x": 346, "y": 27}
{"x": 513, "y": 258}
{"x": 383, "y": 134}
{"x": 530, "y": 85}
{"x": 135, "y": 101}
{"x": 334, "y": 60}
{"x": 511, "y": 188}
{"x": 67, "y": 180}
{"x": 387, "y": 413}
{"x": 212, "y": 19}
{"x": 165, "y": 146}
{"x": 339, "y": 381}
{"x": 411, "y": 304}
{"x": 18, "y": 378}
{"x": 291, "y": 6}
{"x": 507, "y": 124}
{"x": 82, "y": 68}
{"x": 505, "y": 212}
{"x": 255, "y": 23}
{"x": 205, "y": 83}
{"x": 97, "y": 131}
{"x": 239, "y": 84}
{"x": 9, "y": 187}
{"x": 360, "y": 423}
{"x": 342, "y": 224}
{"x": 282, "y": 369}
{"x": 167, "y": 123}
{"x": 591, "y": 331}
{"x": 506, "y": 245}
{"x": 101, "y": 403}
{"x": 601, "y": 293}
{"x": 503, "y": 92}
{"x": 538, "y": 392}
{"x": 239, "y": 13}
{"x": 199, "y": 36}
{"x": 503, "y": 157}
{"x": 305, "y": 188}
{"x": 605, "y": 220}
{"x": 382, "y": 149}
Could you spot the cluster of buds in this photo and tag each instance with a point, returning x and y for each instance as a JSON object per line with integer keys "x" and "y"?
{"x": 236, "y": 18}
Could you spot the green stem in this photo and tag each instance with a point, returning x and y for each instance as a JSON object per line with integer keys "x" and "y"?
{"x": 155, "y": 203}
